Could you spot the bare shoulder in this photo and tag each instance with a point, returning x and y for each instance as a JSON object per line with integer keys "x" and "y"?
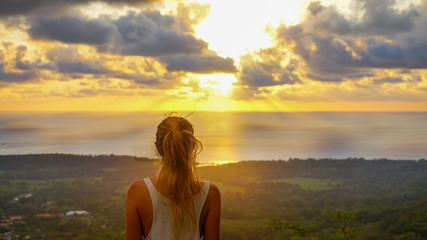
{"x": 214, "y": 192}
{"x": 137, "y": 189}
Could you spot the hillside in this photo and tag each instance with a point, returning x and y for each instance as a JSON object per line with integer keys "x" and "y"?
{"x": 298, "y": 199}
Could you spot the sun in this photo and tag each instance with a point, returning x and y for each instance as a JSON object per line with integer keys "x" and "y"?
{"x": 234, "y": 27}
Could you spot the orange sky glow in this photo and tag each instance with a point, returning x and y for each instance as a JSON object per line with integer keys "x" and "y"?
{"x": 154, "y": 55}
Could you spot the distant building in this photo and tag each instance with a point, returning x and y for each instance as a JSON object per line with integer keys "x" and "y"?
{"x": 15, "y": 218}
{"x": 81, "y": 216}
{"x": 26, "y": 195}
{"x": 6, "y": 222}
{"x": 77, "y": 213}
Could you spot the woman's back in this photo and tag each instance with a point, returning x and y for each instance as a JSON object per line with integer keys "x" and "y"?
{"x": 175, "y": 204}
{"x": 142, "y": 219}
{"x": 162, "y": 227}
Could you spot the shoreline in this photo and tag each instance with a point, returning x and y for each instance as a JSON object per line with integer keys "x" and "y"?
{"x": 215, "y": 163}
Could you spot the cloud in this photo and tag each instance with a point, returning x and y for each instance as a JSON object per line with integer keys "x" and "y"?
{"x": 71, "y": 30}
{"x": 413, "y": 78}
{"x": 63, "y": 63}
{"x": 191, "y": 14}
{"x": 389, "y": 80}
{"x": 151, "y": 34}
{"x": 11, "y": 75}
{"x": 250, "y": 93}
{"x": 264, "y": 68}
{"x": 15, "y": 77}
{"x": 199, "y": 64}
{"x": 21, "y": 7}
{"x": 20, "y": 63}
{"x": 146, "y": 33}
{"x": 381, "y": 18}
{"x": 386, "y": 50}
{"x": 138, "y": 78}
{"x": 68, "y": 60}
{"x": 397, "y": 55}
{"x": 84, "y": 67}
{"x": 315, "y": 7}
{"x": 378, "y": 17}
{"x": 256, "y": 75}
{"x": 335, "y": 47}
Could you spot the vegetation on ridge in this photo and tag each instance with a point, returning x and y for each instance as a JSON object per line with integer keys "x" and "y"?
{"x": 294, "y": 199}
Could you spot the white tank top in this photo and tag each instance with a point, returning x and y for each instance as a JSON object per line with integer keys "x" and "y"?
{"x": 162, "y": 227}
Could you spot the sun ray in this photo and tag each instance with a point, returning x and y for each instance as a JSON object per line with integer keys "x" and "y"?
{"x": 219, "y": 84}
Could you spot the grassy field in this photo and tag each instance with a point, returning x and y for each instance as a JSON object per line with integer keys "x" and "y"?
{"x": 229, "y": 188}
{"x": 313, "y": 184}
{"x": 31, "y": 185}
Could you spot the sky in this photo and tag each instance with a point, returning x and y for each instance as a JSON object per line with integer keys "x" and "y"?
{"x": 221, "y": 55}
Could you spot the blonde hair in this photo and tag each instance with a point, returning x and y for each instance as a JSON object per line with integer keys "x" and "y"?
{"x": 178, "y": 179}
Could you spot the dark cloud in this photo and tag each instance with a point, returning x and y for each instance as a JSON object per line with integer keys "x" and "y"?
{"x": 335, "y": 47}
{"x": 327, "y": 20}
{"x": 398, "y": 79}
{"x": 20, "y": 63}
{"x": 263, "y": 69}
{"x": 389, "y": 80}
{"x": 379, "y": 17}
{"x": 267, "y": 69}
{"x": 151, "y": 34}
{"x": 137, "y": 78}
{"x": 84, "y": 67}
{"x": 337, "y": 77}
{"x": 21, "y": 7}
{"x": 257, "y": 76}
{"x": 14, "y": 76}
{"x": 199, "y": 64}
{"x": 64, "y": 60}
{"x": 143, "y": 34}
{"x": 386, "y": 50}
{"x": 68, "y": 60}
{"x": 71, "y": 30}
{"x": 147, "y": 33}
{"x": 315, "y": 7}
{"x": 320, "y": 53}
{"x": 398, "y": 55}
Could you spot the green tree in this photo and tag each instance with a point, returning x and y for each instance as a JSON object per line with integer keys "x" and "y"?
{"x": 343, "y": 222}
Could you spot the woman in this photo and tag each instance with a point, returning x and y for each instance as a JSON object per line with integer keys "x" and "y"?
{"x": 175, "y": 204}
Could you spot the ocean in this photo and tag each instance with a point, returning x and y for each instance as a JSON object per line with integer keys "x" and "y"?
{"x": 226, "y": 136}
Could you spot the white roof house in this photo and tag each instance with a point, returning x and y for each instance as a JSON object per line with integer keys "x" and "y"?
{"x": 77, "y": 213}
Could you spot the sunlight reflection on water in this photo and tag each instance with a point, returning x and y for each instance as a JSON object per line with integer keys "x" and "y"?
{"x": 226, "y": 136}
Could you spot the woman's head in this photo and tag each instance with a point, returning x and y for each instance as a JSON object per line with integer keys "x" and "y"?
{"x": 168, "y": 127}
{"x": 175, "y": 140}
